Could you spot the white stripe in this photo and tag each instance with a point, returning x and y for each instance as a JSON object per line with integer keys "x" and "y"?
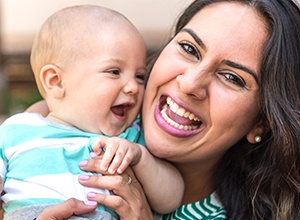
{"x": 26, "y": 118}
{"x": 3, "y": 170}
{"x": 208, "y": 206}
{"x": 194, "y": 212}
{"x": 58, "y": 186}
{"x": 186, "y": 215}
{"x": 202, "y": 210}
{"x": 215, "y": 200}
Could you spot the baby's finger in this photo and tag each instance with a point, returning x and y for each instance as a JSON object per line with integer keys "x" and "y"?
{"x": 124, "y": 163}
{"x": 98, "y": 144}
{"x": 117, "y": 160}
{"x": 110, "y": 151}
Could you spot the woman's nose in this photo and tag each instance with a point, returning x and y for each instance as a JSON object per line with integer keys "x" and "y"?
{"x": 194, "y": 83}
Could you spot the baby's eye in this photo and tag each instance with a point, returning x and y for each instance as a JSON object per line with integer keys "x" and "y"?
{"x": 190, "y": 49}
{"x": 234, "y": 79}
{"x": 114, "y": 71}
{"x": 141, "y": 78}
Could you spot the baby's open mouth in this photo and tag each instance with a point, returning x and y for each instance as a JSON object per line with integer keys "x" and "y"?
{"x": 177, "y": 116}
{"x": 121, "y": 110}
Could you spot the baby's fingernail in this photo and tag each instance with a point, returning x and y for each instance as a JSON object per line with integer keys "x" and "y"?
{"x": 90, "y": 203}
{"x": 83, "y": 163}
{"x": 93, "y": 155}
{"x": 91, "y": 195}
{"x": 120, "y": 171}
{"x": 102, "y": 167}
{"x": 111, "y": 171}
{"x": 84, "y": 177}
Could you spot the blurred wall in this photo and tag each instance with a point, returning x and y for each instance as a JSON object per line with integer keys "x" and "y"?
{"x": 21, "y": 19}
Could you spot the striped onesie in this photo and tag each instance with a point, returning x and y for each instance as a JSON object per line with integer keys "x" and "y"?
{"x": 39, "y": 164}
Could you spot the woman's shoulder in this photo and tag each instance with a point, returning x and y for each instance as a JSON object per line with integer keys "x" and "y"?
{"x": 209, "y": 208}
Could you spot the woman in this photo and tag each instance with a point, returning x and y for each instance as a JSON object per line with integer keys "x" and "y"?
{"x": 223, "y": 101}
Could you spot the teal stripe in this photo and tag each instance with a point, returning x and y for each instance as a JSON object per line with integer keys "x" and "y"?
{"x": 27, "y": 133}
{"x": 46, "y": 161}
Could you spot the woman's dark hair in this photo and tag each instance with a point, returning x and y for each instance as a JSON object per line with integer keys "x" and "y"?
{"x": 262, "y": 181}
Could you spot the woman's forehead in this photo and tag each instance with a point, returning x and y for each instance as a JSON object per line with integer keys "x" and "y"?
{"x": 232, "y": 30}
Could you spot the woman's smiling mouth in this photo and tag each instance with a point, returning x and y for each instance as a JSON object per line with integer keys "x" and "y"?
{"x": 175, "y": 119}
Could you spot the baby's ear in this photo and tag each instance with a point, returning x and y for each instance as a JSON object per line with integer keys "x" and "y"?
{"x": 51, "y": 79}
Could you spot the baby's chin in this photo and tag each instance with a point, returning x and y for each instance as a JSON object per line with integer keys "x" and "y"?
{"x": 113, "y": 132}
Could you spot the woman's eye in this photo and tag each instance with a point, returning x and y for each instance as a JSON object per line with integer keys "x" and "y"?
{"x": 190, "y": 49}
{"x": 232, "y": 78}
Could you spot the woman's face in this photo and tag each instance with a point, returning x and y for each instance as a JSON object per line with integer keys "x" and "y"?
{"x": 202, "y": 95}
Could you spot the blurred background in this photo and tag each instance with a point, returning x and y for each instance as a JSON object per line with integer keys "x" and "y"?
{"x": 20, "y": 20}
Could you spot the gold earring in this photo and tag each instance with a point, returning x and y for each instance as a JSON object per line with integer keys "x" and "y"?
{"x": 257, "y": 138}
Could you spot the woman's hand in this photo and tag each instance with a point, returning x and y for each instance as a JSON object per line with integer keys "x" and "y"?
{"x": 67, "y": 209}
{"x": 129, "y": 200}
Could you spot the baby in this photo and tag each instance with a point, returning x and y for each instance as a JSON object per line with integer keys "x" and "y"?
{"x": 89, "y": 66}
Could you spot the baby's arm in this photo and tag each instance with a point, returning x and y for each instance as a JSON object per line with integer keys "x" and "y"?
{"x": 162, "y": 182}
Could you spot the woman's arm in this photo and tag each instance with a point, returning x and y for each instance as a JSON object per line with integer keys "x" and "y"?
{"x": 162, "y": 182}
{"x": 40, "y": 107}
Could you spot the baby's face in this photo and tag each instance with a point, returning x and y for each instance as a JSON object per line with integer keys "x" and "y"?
{"x": 105, "y": 85}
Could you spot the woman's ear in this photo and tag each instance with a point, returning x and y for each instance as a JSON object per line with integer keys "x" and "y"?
{"x": 51, "y": 80}
{"x": 256, "y": 134}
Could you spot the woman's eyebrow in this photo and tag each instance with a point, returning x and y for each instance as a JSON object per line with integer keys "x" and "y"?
{"x": 228, "y": 62}
{"x": 241, "y": 67}
{"x": 196, "y": 38}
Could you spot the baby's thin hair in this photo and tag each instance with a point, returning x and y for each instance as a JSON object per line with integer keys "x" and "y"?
{"x": 61, "y": 35}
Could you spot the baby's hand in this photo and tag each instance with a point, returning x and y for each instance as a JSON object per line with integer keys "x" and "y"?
{"x": 118, "y": 154}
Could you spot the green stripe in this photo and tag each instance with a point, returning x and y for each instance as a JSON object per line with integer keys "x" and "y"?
{"x": 182, "y": 212}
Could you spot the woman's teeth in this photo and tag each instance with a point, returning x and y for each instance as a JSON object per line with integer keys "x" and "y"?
{"x": 180, "y": 112}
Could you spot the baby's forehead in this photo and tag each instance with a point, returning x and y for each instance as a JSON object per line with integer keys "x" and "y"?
{"x": 89, "y": 14}
{"x": 84, "y": 19}
{"x": 75, "y": 30}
